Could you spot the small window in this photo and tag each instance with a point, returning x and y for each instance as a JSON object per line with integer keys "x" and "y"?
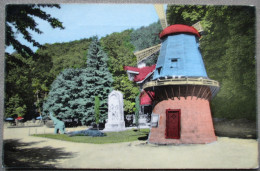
{"x": 174, "y": 62}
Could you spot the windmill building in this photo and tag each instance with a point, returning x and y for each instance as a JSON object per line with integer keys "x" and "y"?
{"x": 180, "y": 90}
{"x": 177, "y": 89}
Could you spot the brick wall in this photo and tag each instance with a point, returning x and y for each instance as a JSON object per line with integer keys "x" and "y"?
{"x": 196, "y": 122}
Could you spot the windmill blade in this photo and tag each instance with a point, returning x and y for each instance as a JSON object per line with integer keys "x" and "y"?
{"x": 160, "y": 12}
{"x": 145, "y": 53}
{"x": 198, "y": 26}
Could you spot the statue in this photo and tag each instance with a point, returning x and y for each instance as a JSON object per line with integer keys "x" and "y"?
{"x": 58, "y": 124}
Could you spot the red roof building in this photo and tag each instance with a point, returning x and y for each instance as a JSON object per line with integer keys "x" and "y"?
{"x": 138, "y": 75}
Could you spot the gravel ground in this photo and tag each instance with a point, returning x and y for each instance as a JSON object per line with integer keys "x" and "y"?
{"x": 238, "y": 128}
{"x": 22, "y": 150}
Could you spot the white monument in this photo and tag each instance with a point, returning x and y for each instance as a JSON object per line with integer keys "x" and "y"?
{"x": 115, "y": 121}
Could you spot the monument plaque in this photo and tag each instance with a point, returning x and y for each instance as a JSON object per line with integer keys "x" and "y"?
{"x": 115, "y": 121}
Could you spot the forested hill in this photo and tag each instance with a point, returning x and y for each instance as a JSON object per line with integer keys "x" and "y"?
{"x": 29, "y": 80}
{"x": 66, "y": 55}
{"x": 227, "y": 46}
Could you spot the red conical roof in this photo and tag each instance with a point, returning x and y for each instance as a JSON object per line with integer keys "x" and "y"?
{"x": 178, "y": 28}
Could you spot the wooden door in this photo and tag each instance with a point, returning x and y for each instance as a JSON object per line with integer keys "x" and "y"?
{"x": 173, "y": 123}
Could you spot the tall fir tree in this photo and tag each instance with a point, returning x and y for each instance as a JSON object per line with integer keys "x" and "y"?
{"x": 72, "y": 94}
{"x": 98, "y": 77}
{"x": 67, "y": 97}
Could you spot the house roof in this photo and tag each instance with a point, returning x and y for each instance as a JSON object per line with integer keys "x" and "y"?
{"x": 178, "y": 28}
{"x": 140, "y": 73}
{"x": 145, "y": 99}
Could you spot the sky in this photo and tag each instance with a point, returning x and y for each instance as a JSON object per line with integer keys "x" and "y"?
{"x": 87, "y": 20}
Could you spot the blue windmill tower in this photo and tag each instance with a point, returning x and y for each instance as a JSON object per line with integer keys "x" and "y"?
{"x": 181, "y": 108}
{"x": 179, "y": 53}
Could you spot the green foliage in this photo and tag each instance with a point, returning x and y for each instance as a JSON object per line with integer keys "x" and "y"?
{"x": 97, "y": 112}
{"x": 120, "y": 52}
{"x": 20, "y": 111}
{"x": 232, "y": 29}
{"x": 67, "y": 97}
{"x": 73, "y": 92}
{"x": 146, "y": 37}
{"x": 185, "y": 14}
{"x": 18, "y": 85}
{"x": 112, "y": 137}
{"x": 14, "y": 107}
{"x": 137, "y": 109}
{"x": 99, "y": 78}
{"x": 19, "y": 19}
{"x": 22, "y": 72}
{"x": 129, "y": 89}
{"x": 60, "y": 56}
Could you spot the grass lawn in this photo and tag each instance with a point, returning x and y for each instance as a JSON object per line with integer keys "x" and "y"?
{"x": 111, "y": 137}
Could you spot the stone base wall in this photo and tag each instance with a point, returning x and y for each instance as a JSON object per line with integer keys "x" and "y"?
{"x": 196, "y": 122}
{"x": 115, "y": 126}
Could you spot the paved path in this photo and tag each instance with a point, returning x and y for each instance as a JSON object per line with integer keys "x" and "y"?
{"x": 225, "y": 153}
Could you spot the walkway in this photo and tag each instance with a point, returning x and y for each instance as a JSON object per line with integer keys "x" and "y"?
{"x": 27, "y": 151}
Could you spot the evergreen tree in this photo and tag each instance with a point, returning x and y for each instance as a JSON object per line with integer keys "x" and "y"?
{"x": 137, "y": 110}
{"x": 99, "y": 78}
{"x": 72, "y": 94}
{"x": 97, "y": 112}
{"x": 67, "y": 97}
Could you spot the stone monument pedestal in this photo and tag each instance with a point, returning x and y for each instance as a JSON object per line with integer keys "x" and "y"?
{"x": 115, "y": 121}
{"x": 115, "y": 126}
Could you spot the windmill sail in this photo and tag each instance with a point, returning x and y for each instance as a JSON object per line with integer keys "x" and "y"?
{"x": 198, "y": 26}
{"x": 162, "y": 17}
{"x": 145, "y": 53}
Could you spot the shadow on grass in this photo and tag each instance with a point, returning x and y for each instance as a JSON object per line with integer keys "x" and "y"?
{"x": 144, "y": 138}
{"x": 20, "y": 155}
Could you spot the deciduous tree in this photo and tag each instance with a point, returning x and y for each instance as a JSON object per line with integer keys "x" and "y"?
{"x": 19, "y": 19}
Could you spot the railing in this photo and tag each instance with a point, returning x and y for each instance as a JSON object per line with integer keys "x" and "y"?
{"x": 181, "y": 81}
